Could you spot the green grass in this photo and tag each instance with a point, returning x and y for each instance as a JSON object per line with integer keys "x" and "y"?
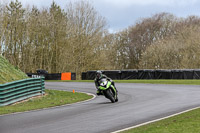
{"x": 185, "y": 123}
{"x": 54, "y": 98}
{"x": 69, "y": 80}
{"x": 9, "y": 73}
{"x": 185, "y": 82}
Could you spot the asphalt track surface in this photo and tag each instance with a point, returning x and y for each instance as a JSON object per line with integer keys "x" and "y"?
{"x": 138, "y": 103}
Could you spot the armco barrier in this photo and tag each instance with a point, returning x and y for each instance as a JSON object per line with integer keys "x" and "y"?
{"x": 19, "y": 90}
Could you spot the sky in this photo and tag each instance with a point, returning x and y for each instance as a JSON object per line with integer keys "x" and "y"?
{"x": 121, "y": 14}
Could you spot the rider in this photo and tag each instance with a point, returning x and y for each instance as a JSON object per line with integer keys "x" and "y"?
{"x": 100, "y": 76}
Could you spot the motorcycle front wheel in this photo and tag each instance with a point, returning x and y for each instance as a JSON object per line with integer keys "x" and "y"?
{"x": 109, "y": 95}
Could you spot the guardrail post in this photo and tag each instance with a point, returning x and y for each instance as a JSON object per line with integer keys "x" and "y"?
{"x": 42, "y": 85}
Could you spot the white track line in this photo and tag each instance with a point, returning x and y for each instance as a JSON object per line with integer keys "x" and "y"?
{"x": 155, "y": 120}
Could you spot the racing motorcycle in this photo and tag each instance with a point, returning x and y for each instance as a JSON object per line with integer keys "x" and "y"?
{"x": 108, "y": 90}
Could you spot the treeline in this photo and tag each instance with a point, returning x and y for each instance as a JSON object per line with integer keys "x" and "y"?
{"x": 162, "y": 41}
{"x": 54, "y": 39}
{"x": 76, "y": 39}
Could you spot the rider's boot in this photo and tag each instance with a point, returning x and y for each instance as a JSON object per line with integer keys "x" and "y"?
{"x": 99, "y": 93}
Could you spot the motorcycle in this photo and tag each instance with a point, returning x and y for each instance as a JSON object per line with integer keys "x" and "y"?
{"x": 108, "y": 90}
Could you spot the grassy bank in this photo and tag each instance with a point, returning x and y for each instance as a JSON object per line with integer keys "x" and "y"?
{"x": 9, "y": 73}
{"x": 53, "y": 98}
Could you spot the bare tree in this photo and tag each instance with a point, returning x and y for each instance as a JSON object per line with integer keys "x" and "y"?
{"x": 149, "y": 30}
{"x": 14, "y": 25}
{"x": 176, "y": 52}
{"x": 119, "y": 51}
{"x": 87, "y": 29}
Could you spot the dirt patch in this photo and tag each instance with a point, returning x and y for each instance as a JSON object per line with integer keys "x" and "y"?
{"x": 31, "y": 98}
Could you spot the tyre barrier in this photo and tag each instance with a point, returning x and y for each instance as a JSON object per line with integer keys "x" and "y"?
{"x": 146, "y": 74}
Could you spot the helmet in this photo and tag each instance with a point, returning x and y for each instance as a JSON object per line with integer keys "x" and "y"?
{"x": 98, "y": 74}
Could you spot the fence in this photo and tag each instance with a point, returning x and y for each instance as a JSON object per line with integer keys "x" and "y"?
{"x": 146, "y": 74}
{"x": 19, "y": 90}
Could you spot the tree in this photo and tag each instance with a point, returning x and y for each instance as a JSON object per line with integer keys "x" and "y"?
{"x": 87, "y": 29}
{"x": 58, "y": 33}
{"x": 176, "y": 52}
{"x": 14, "y": 33}
{"x": 149, "y": 30}
{"x": 120, "y": 50}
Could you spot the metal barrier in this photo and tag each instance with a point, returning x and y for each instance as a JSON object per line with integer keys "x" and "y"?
{"x": 19, "y": 90}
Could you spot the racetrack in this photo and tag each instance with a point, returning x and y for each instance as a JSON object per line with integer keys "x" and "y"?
{"x": 138, "y": 103}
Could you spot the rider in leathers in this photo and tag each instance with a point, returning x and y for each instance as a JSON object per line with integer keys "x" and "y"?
{"x": 100, "y": 76}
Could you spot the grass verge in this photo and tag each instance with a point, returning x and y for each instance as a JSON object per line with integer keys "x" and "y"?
{"x": 184, "y": 82}
{"x": 53, "y": 98}
{"x": 69, "y": 80}
{"x": 184, "y": 123}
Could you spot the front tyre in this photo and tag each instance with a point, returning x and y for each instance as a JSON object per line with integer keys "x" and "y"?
{"x": 116, "y": 100}
{"x": 109, "y": 95}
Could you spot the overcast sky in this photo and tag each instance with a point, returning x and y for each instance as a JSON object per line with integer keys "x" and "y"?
{"x": 121, "y": 14}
